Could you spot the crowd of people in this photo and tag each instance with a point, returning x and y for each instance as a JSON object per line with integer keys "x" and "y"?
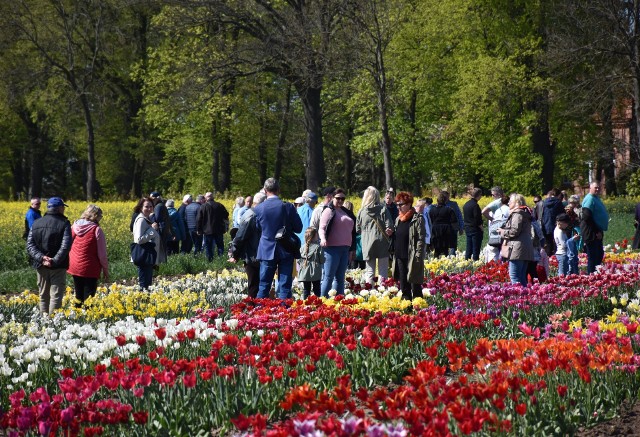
{"x": 317, "y": 240}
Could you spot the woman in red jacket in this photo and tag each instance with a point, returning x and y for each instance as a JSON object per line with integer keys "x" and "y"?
{"x": 88, "y": 254}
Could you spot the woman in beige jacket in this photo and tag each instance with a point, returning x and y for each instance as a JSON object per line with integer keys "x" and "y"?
{"x": 517, "y": 246}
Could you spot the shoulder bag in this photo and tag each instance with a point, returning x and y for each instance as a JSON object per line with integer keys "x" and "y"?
{"x": 287, "y": 239}
{"x": 143, "y": 254}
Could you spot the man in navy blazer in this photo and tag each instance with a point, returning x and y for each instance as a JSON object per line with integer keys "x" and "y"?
{"x": 271, "y": 215}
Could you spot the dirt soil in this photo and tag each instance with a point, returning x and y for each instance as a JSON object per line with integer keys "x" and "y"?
{"x": 627, "y": 424}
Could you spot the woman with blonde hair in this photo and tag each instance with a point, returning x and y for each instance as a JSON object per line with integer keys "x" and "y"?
{"x": 517, "y": 245}
{"x": 375, "y": 225}
{"x": 88, "y": 255}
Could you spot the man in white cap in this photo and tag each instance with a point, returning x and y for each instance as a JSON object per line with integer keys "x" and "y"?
{"x": 48, "y": 245}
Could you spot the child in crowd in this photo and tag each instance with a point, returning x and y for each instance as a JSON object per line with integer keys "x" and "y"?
{"x": 560, "y": 237}
{"x": 311, "y": 262}
{"x": 543, "y": 266}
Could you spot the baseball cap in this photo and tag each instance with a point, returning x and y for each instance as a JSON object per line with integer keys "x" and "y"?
{"x": 154, "y": 194}
{"x": 54, "y": 202}
{"x": 299, "y": 200}
{"x": 186, "y": 198}
{"x": 312, "y": 196}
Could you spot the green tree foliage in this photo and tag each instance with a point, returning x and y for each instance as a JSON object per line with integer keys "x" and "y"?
{"x": 121, "y": 97}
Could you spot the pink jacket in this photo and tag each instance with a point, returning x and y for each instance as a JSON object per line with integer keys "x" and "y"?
{"x": 89, "y": 250}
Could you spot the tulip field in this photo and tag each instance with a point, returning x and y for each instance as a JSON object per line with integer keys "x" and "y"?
{"x": 193, "y": 356}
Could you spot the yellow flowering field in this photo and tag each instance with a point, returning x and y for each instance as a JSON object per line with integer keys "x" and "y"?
{"x": 117, "y": 216}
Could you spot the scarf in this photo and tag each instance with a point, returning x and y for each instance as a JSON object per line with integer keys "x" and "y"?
{"x": 407, "y": 215}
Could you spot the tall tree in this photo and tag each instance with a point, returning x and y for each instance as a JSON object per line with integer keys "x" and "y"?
{"x": 296, "y": 40}
{"x": 375, "y": 24}
{"x": 67, "y": 35}
{"x": 594, "y": 64}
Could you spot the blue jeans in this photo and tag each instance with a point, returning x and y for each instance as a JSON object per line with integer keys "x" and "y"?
{"x": 474, "y": 243}
{"x": 335, "y": 266}
{"x": 563, "y": 264}
{"x": 595, "y": 253}
{"x": 518, "y": 272}
{"x": 285, "y": 277}
{"x": 208, "y": 245}
{"x": 145, "y": 276}
{"x": 572, "y": 256}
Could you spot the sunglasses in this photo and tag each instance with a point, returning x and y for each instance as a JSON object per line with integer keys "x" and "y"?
{"x": 340, "y": 198}
{"x": 400, "y": 204}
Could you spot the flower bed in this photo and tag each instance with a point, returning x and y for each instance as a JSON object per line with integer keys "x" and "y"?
{"x": 194, "y": 355}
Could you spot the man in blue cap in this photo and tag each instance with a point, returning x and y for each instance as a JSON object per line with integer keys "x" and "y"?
{"x": 48, "y": 245}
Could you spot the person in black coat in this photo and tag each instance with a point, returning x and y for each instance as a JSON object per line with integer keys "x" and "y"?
{"x": 212, "y": 220}
{"x": 443, "y": 225}
{"x": 473, "y": 225}
{"x": 551, "y": 207}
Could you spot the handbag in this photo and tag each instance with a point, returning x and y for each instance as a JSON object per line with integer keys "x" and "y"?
{"x": 287, "y": 239}
{"x": 505, "y": 250}
{"x": 143, "y": 254}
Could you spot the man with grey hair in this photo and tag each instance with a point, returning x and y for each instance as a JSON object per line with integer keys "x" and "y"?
{"x": 497, "y": 193}
{"x": 271, "y": 216}
{"x": 48, "y": 245}
{"x": 33, "y": 214}
{"x": 245, "y": 245}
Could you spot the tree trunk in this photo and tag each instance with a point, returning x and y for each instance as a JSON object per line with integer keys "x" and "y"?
{"x": 417, "y": 180}
{"x": 215, "y": 157}
{"x": 224, "y": 179}
{"x": 262, "y": 151}
{"x": 36, "y": 152}
{"x": 605, "y": 160}
{"x": 226, "y": 142}
{"x": 542, "y": 144}
{"x": 348, "y": 160}
{"x": 385, "y": 141}
{"x": 316, "y": 172}
{"x": 634, "y": 131}
{"x": 282, "y": 136}
{"x": 91, "y": 153}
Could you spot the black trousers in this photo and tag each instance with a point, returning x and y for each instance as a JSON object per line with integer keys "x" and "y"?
{"x": 84, "y": 287}
{"x": 309, "y": 285}
{"x": 253, "y": 276}
{"x": 409, "y": 291}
